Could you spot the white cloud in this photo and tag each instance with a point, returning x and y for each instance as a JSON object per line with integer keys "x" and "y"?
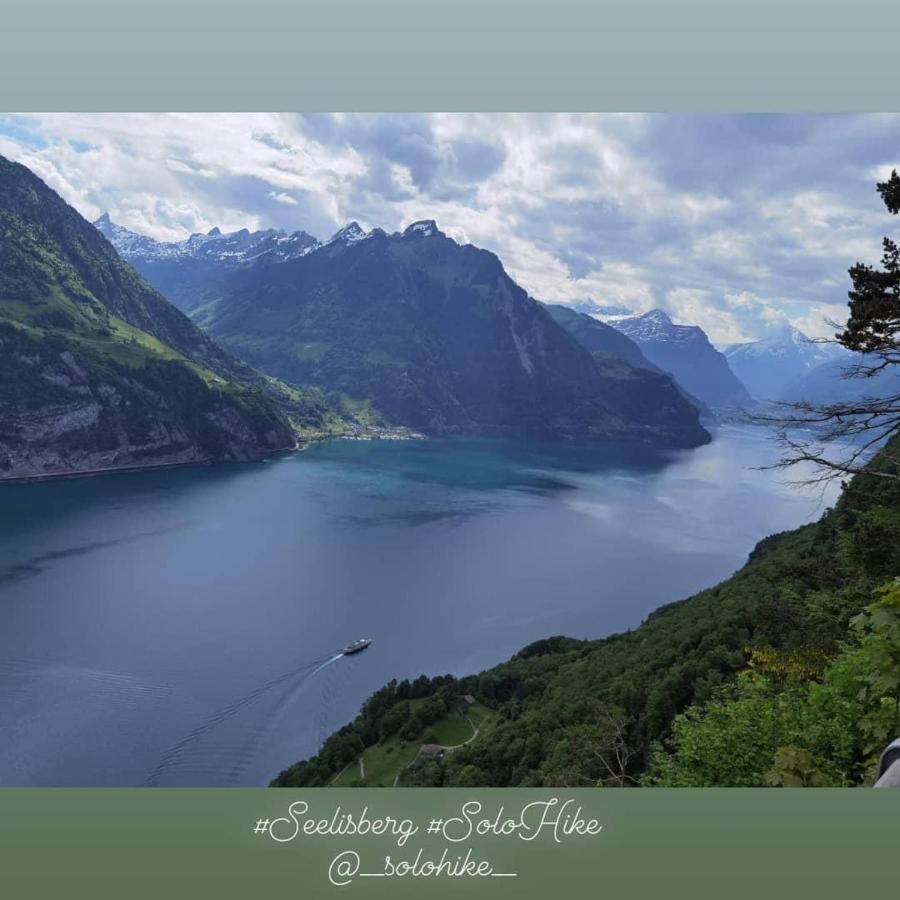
{"x": 821, "y": 321}
{"x": 716, "y": 219}
{"x": 698, "y": 307}
{"x": 282, "y": 197}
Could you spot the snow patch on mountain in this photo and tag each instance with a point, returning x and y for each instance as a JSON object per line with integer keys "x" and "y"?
{"x": 685, "y": 352}
{"x": 788, "y": 343}
{"x": 657, "y": 326}
{"x": 422, "y": 228}
{"x": 243, "y": 246}
{"x": 769, "y": 366}
{"x": 349, "y": 234}
{"x": 236, "y": 247}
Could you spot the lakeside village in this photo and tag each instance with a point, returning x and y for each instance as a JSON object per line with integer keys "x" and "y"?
{"x": 381, "y": 433}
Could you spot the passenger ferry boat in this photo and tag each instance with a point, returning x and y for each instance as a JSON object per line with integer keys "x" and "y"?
{"x": 356, "y": 646}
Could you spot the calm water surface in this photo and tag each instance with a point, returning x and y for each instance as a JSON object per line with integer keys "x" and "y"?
{"x": 178, "y": 627}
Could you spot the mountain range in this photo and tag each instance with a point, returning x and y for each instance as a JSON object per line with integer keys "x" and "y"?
{"x": 192, "y": 271}
{"x": 410, "y": 328}
{"x": 437, "y": 336}
{"x": 785, "y": 366}
{"x": 98, "y": 370}
{"x": 685, "y": 352}
{"x": 209, "y": 275}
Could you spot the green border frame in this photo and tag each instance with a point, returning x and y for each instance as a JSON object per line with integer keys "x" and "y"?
{"x": 464, "y": 55}
{"x": 717, "y": 844}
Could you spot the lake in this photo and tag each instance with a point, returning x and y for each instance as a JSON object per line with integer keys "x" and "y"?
{"x": 178, "y": 627}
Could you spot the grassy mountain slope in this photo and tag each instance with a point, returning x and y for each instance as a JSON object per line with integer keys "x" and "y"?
{"x": 97, "y": 369}
{"x": 569, "y": 711}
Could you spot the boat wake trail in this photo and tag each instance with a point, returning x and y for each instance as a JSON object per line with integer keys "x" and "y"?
{"x": 260, "y": 739}
{"x": 183, "y": 751}
{"x": 331, "y": 690}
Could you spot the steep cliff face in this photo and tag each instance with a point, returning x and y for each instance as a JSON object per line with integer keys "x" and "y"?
{"x": 98, "y": 370}
{"x": 68, "y": 407}
{"x": 438, "y": 337}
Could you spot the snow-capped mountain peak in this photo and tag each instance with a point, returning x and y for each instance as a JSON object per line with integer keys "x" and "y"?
{"x": 658, "y": 317}
{"x": 422, "y": 228}
{"x": 600, "y": 311}
{"x": 127, "y": 243}
{"x": 236, "y": 247}
{"x": 349, "y": 234}
{"x": 788, "y": 342}
{"x": 686, "y": 352}
{"x": 769, "y": 365}
{"x": 656, "y": 325}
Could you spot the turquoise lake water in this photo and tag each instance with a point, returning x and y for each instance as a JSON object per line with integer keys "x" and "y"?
{"x": 179, "y": 626}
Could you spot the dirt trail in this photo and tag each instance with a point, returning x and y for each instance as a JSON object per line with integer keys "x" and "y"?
{"x": 446, "y": 750}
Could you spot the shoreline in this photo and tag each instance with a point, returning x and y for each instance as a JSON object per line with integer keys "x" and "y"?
{"x": 298, "y": 447}
{"x": 355, "y": 433}
{"x": 148, "y": 467}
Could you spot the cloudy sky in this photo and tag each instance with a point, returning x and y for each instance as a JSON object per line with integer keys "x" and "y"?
{"x": 737, "y": 223}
